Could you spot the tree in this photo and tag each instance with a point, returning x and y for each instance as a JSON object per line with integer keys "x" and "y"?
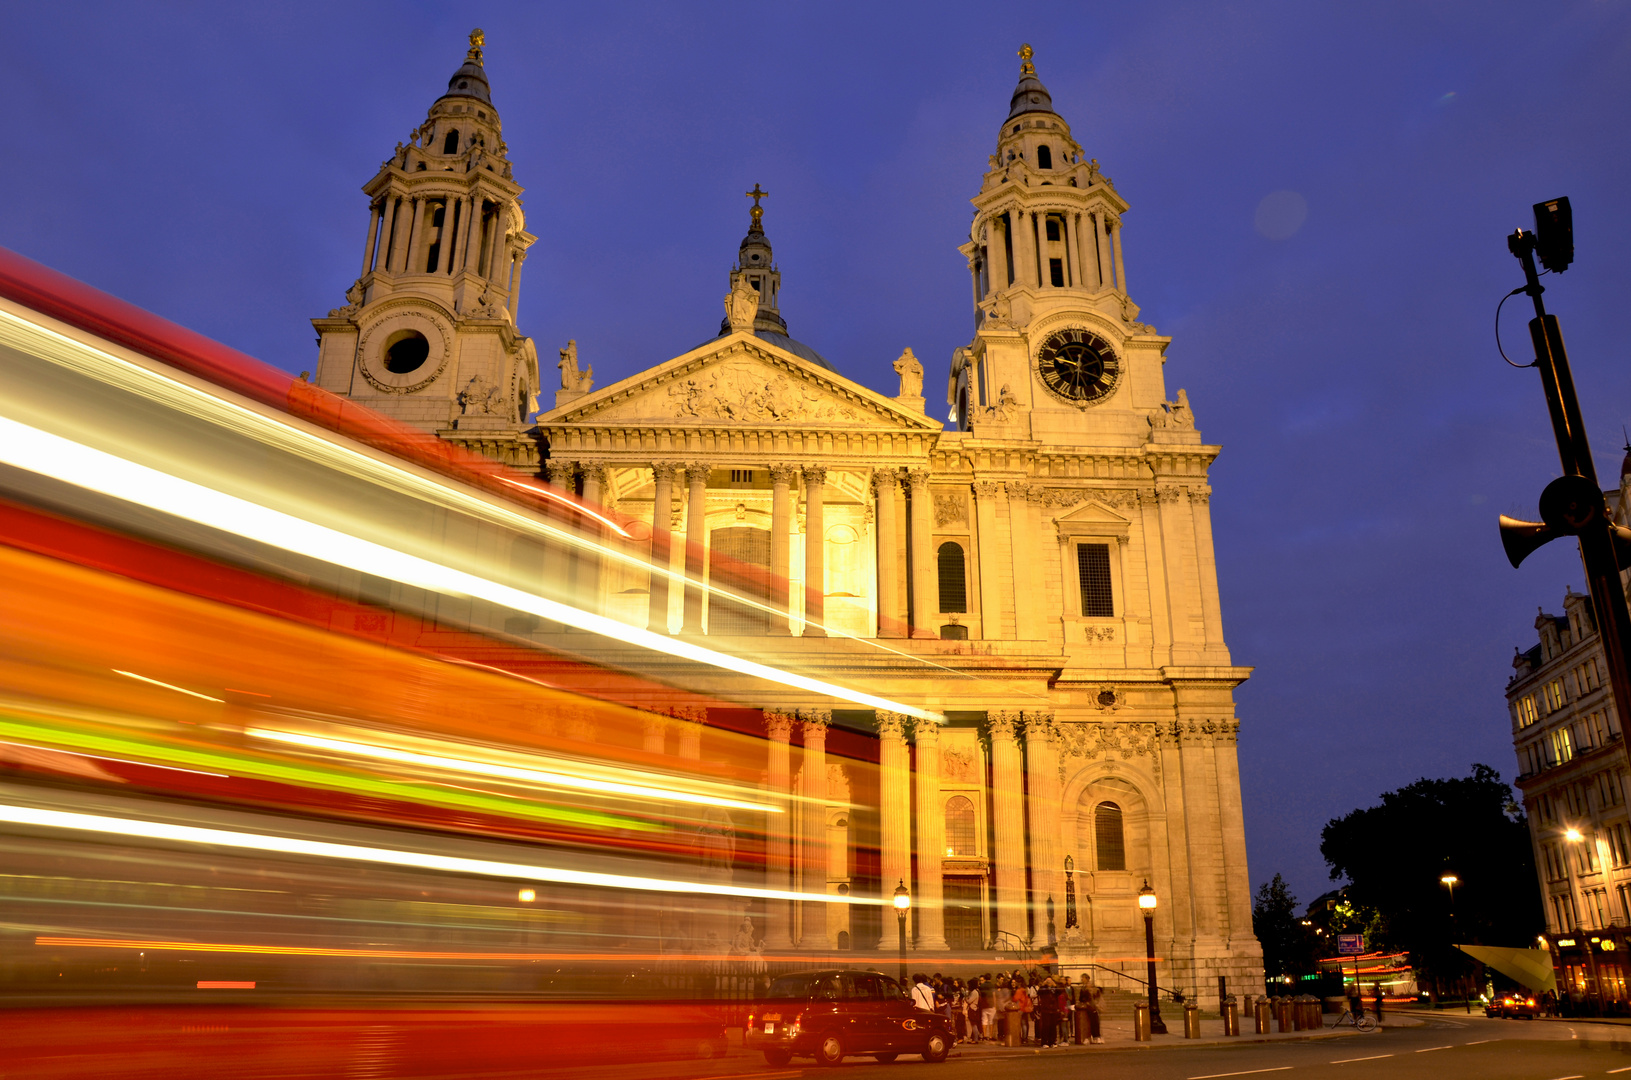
{"x": 1287, "y": 948}
{"x": 1395, "y": 854}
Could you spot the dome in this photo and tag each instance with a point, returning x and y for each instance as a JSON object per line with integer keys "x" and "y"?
{"x": 470, "y": 81}
{"x": 1030, "y": 96}
{"x": 785, "y": 343}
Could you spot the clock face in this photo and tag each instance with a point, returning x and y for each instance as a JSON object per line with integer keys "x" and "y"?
{"x": 1079, "y": 366}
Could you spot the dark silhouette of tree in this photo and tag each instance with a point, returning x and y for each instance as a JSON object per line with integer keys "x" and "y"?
{"x": 1288, "y": 947}
{"x": 1394, "y": 855}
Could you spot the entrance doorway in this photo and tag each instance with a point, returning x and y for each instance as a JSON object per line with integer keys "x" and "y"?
{"x": 739, "y": 560}
{"x": 965, "y": 924}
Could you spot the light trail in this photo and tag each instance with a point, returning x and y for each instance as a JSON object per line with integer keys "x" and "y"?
{"x": 168, "y": 686}
{"x": 46, "y": 454}
{"x": 453, "y": 864}
{"x": 507, "y": 772}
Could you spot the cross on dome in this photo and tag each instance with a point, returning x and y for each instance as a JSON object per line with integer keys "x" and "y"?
{"x": 758, "y": 212}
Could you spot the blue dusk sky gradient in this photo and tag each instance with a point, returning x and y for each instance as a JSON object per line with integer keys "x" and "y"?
{"x": 204, "y": 161}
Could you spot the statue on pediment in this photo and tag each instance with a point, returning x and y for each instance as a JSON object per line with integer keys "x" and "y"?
{"x": 911, "y": 375}
{"x": 572, "y": 379}
{"x": 742, "y": 304}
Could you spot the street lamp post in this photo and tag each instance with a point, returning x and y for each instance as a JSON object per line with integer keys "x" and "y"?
{"x": 1146, "y": 904}
{"x": 1449, "y": 882}
{"x": 903, "y": 904}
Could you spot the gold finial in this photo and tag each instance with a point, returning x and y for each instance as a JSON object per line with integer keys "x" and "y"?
{"x": 477, "y": 41}
{"x": 758, "y": 211}
{"x": 1026, "y": 68}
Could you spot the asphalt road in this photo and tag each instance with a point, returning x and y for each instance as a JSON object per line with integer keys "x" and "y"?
{"x": 1444, "y": 1048}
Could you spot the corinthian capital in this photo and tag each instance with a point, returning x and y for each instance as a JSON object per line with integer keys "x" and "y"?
{"x": 782, "y": 473}
{"x": 815, "y": 722}
{"x": 665, "y": 470}
{"x": 891, "y": 726}
{"x": 1002, "y": 724}
{"x": 885, "y": 480}
{"x": 918, "y": 478}
{"x": 778, "y": 725}
{"x": 697, "y": 471}
{"x": 815, "y": 474}
{"x": 1039, "y": 725}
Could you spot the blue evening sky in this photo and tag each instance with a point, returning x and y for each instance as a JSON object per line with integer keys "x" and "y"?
{"x": 204, "y": 161}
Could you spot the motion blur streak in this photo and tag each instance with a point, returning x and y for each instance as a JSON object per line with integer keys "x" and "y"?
{"x": 194, "y": 834}
{"x": 508, "y": 772}
{"x": 82, "y": 466}
{"x": 167, "y": 686}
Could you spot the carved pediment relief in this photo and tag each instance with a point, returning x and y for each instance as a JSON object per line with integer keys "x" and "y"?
{"x": 742, "y": 383}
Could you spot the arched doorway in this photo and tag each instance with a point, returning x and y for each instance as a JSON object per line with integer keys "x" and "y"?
{"x": 738, "y": 560}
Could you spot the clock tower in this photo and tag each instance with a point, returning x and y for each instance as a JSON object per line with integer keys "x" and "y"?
{"x": 1058, "y": 355}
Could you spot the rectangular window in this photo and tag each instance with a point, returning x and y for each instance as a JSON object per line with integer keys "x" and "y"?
{"x": 1625, "y": 900}
{"x": 1555, "y": 689}
{"x": 741, "y": 476}
{"x": 1053, "y": 229}
{"x": 1056, "y": 272}
{"x": 1562, "y": 746}
{"x": 1526, "y": 710}
{"x": 1599, "y": 729}
{"x": 1592, "y": 679}
{"x": 1093, "y": 573}
{"x": 1622, "y": 849}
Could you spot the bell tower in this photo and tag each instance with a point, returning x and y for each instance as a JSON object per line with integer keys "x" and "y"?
{"x": 1058, "y": 354}
{"x": 428, "y": 334}
{"x": 756, "y": 262}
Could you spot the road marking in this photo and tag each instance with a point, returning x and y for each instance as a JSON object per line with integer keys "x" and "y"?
{"x": 1626, "y": 1069}
{"x": 1576, "y": 1076}
{"x": 1373, "y": 1057}
{"x": 1243, "y": 1072}
{"x": 1430, "y": 1049}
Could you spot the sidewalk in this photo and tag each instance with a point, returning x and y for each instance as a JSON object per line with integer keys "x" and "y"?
{"x": 1118, "y": 1035}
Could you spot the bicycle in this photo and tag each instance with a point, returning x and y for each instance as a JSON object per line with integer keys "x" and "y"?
{"x": 1364, "y": 1022}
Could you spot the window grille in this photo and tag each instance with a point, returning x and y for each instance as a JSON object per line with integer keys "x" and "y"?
{"x": 959, "y": 826}
{"x": 1093, "y": 572}
{"x": 1111, "y": 842}
{"x": 953, "y": 580}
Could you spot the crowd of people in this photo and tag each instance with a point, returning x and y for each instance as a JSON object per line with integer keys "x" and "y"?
{"x": 1041, "y": 1003}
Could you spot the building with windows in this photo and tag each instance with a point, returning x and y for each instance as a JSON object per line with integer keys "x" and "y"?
{"x": 1041, "y": 574}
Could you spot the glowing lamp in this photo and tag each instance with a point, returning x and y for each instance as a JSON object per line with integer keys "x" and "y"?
{"x": 903, "y": 898}
{"x": 1146, "y": 897}
{"x": 1572, "y": 835}
{"x": 526, "y": 896}
{"x": 1449, "y": 879}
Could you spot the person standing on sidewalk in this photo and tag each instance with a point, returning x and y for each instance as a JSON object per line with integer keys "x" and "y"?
{"x": 1047, "y": 1014}
{"x": 1088, "y": 997}
{"x": 922, "y": 993}
{"x": 1377, "y": 988}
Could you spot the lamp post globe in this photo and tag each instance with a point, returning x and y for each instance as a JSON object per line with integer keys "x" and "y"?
{"x": 903, "y": 904}
{"x": 1146, "y": 904}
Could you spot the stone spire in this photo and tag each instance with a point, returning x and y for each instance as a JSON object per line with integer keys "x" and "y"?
{"x": 428, "y": 334}
{"x": 755, "y": 263}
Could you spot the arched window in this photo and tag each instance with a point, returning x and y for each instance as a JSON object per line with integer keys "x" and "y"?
{"x": 953, "y": 582}
{"x": 450, "y": 145}
{"x": 959, "y": 826}
{"x": 1044, "y": 158}
{"x": 1108, "y": 837}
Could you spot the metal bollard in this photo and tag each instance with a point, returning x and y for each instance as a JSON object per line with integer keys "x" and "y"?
{"x": 1192, "y": 1020}
{"x": 1141, "y": 1021}
{"x": 1260, "y": 1016}
{"x": 1282, "y": 1014}
{"x": 1231, "y": 1016}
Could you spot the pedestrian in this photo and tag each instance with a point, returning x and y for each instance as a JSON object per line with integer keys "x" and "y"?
{"x": 1047, "y": 1014}
{"x": 1088, "y": 997}
{"x": 971, "y": 1008}
{"x": 988, "y": 1007}
{"x": 1377, "y": 989}
{"x": 922, "y": 993}
{"x": 1023, "y": 1005}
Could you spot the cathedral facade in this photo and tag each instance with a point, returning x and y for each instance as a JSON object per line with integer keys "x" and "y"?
{"x": 1041, "y": 573}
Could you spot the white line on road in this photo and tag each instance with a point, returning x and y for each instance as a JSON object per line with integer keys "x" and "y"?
{"x": 1373, "y": 1057}
{"x": 1576, "y": 1076}
{"x": 1430, "y": 1049}
{"x": 1478, "y": 1042}
{"x": 1626, "y": 1069}
{"x": 1243, "y": 1072}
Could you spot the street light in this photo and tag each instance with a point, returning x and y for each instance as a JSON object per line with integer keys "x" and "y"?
{"x": 1573, "y": 835}
{"x": 1146, "y": 904}
{"x": 903, "y": 904}
{"x": 1449, "y": 882}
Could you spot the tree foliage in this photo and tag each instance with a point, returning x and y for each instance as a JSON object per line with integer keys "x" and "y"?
{"x": 1288, "y": 947}
{"x": 1395, "y": 854}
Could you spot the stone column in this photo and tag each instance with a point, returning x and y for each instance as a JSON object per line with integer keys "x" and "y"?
{"x": 654, "y": 734}
{"x": 375, "y": 212}
{"x": 416, "y": 237}
{"x": 1008, "y": 805}
{"x": 1039, "y": 232}
{"x": 890, "y": 623}
{"x": 1207, "y": 564}
{"x": 925, "y": 604}
{"x": 1237, "y": 881}
{"x": 985, "y": 524}
{"x": 591, "y": 564}
{"x": 1101, "y": 249}
{"x": 472, "y": 231}
{"x": 1115, "y": 243}
{"x": 1024, "y": 237}
{"x": 1042, "y": 784}
{"x": 515, "y": 285}
{"x": 778, "y": 830}
{"x": 559, "y": 555}
{"x": 662, "y": 544}
{"x": 931, "y": 839}
{"x": 781, "y": 544}
{"x": 1073, "y": 251}
{"x": 895, "y": 818}
{"x": 815, "y": 550}
{"x": 997, "y": 252}
{"x": 814, "y": 877}
{"x": 1027, "y": 617}
{"x": 498, "y": 249}
{"x": 696, "y": 544}
{"x": 692, "y": 719}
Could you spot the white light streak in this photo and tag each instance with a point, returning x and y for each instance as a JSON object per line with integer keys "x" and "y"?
{"x": 506, "y": 772}
{"x": 41, "y": 452}
{"x": 169, "y": 686}
{"x": 323, "y": 849}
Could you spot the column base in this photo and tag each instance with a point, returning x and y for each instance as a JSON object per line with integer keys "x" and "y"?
{"x": 931, "y": 944}
{"x": 922, "y": 633}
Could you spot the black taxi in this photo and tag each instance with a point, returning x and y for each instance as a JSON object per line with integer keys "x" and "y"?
{"x": 827, "y": 1014}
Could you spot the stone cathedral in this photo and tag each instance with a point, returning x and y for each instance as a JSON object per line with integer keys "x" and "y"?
{"x": 1041, "y": 573}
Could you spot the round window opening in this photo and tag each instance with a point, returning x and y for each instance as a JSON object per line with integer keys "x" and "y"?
{"x": 1107, "y": 698}
{"x": 406, "y": 351}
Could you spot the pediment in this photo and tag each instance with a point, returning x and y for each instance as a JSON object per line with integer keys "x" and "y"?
{"x": 1093, "y": 517}
{"x": 738, "y": 380}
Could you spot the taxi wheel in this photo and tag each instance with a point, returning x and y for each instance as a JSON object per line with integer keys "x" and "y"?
{"x": 777, "y": 1058}
{"x": 886, "y": 1058}
{"x": 830, "y": 1050}
{"x": 935, "y": 1050}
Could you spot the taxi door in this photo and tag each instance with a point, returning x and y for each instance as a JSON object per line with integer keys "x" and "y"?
{"x": 903, "y": 1021}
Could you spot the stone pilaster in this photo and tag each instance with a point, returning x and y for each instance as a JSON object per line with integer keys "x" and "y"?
{"x": 815, "y": 550}
{"x": 778, "y": 830}
{"x": 925, "y": 604}
{"x": 662, "y": 544}
{"x": 696, "y": 544}
{"x": 895, "y": 815}
{"x": 1042, "y": 785}
{"x": 1008, "y": 805}
{"x": 929, "y": 903}
{"x": 781, "y": 540}
{"x": 1027, "y": 617}
{"x": 814, "y": 861}
{"x": 985, "y": 523}
{"x": 891, "y": 624}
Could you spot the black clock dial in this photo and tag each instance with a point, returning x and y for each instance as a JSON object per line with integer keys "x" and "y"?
{"x": 1078, "y": 365}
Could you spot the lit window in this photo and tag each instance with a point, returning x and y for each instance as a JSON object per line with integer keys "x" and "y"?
{"x": 1562, "y": 746}
{"x": 959, "y": 826}
{"x": 1526, "y": 711}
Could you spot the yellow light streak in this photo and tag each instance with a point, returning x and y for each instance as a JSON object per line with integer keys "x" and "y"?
{"x": 420, "y": 860}
{"x": 506, "y": 772}
{"x": 46, "y": 454}
{"x": 168, "y": 686}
